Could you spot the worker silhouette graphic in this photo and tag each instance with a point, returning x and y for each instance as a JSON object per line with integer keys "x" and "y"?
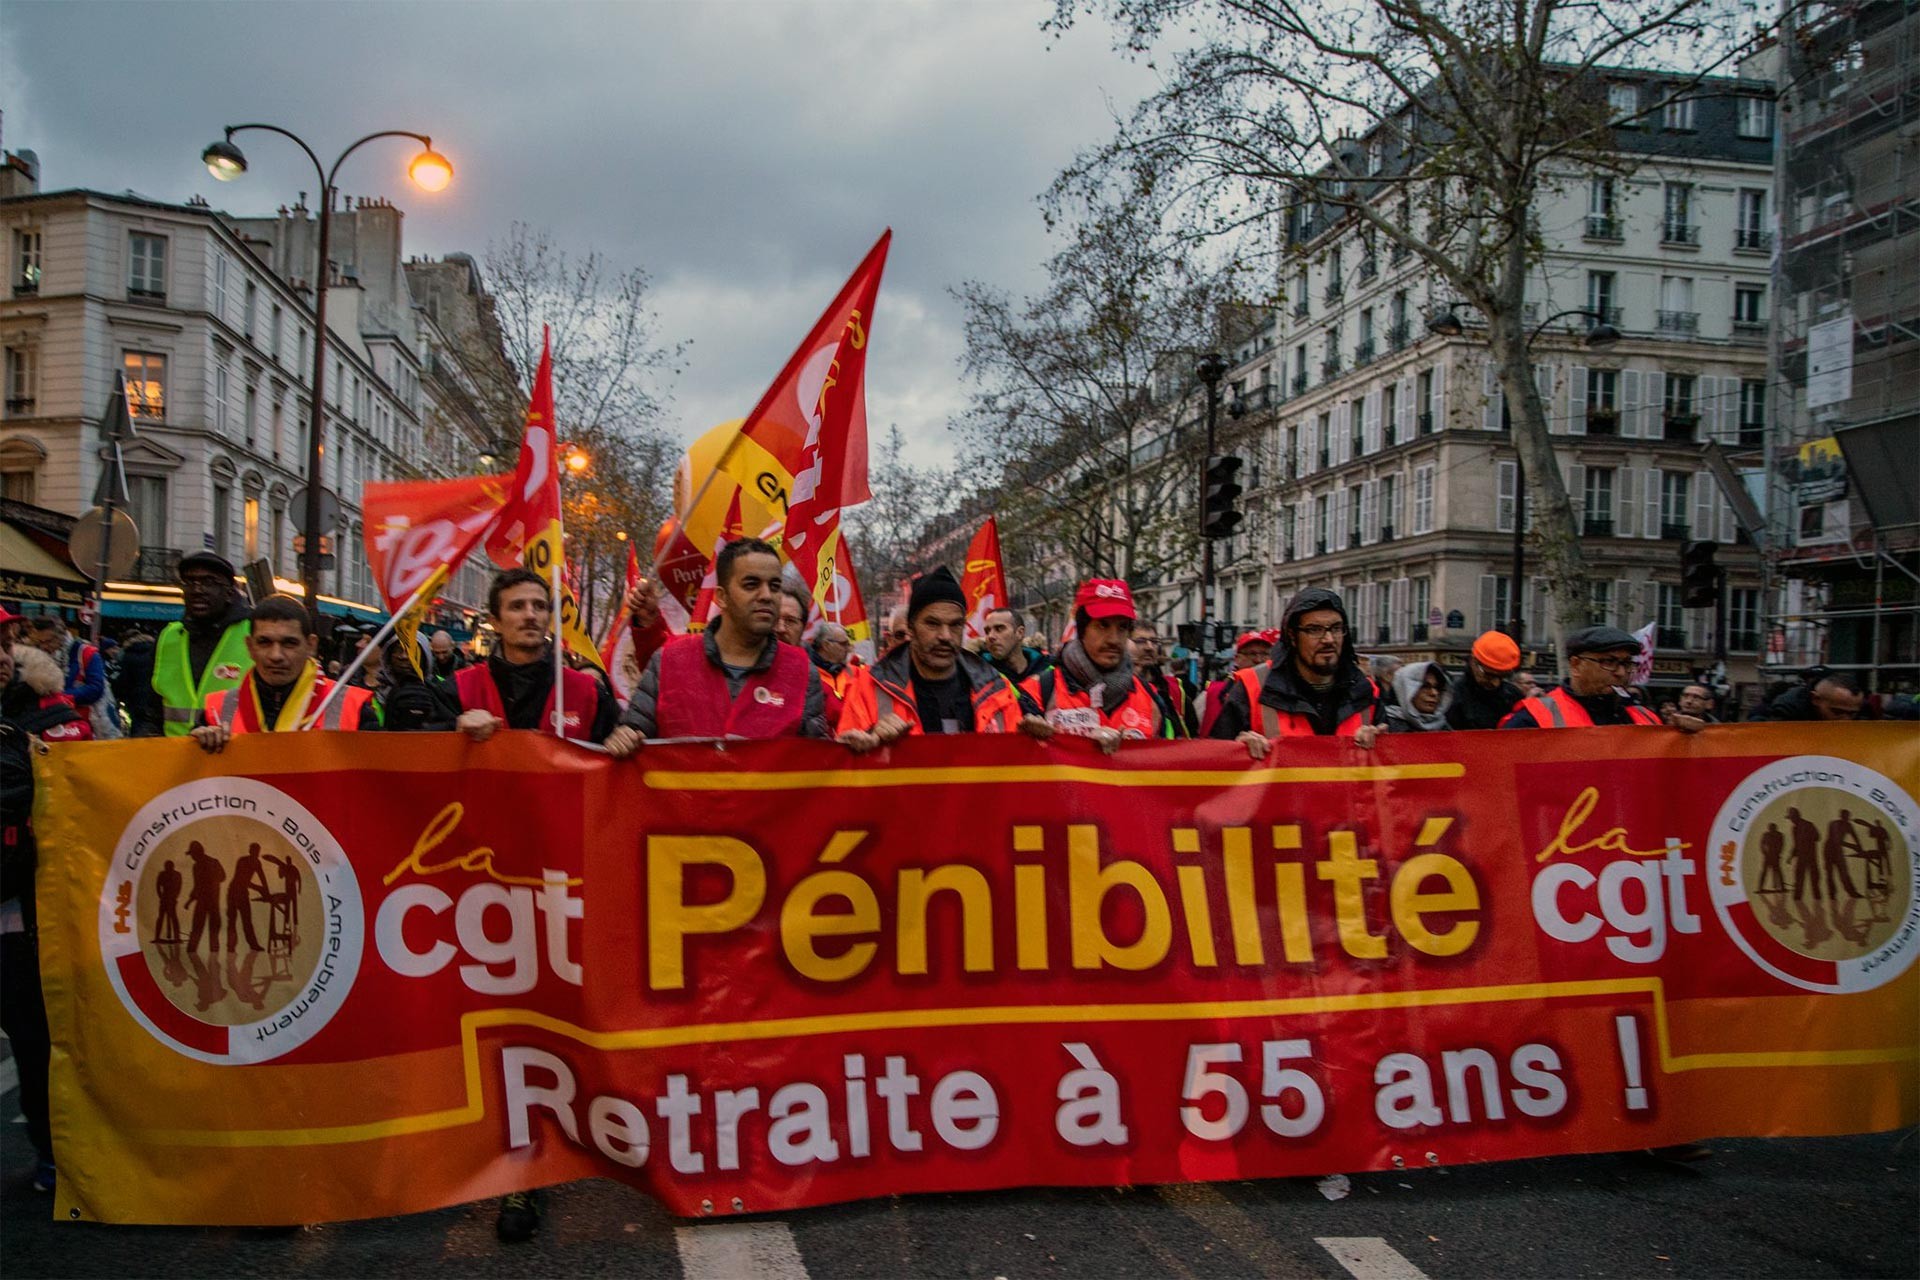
{"x": 166, "y": 922}
{"x": 208, "y": 875}
{"x": 1840, "y": 838}
{"x": 1806, "y": 856}
{"x": 1773, "y": 843}
{"x": 248, "y": 877}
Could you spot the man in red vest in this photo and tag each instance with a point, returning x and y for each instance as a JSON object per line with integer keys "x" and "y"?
{"x": 284, "y": 687}
{"x": 735, "y": 679}
{"x": 513, "y": 688}
{"x": 1599, "y": 661}
{"x": 1250, "y": 650}
{"x": 1313, "y": 686}
{"x": 930, "y": 684}
{"x": 1093, "y": 690}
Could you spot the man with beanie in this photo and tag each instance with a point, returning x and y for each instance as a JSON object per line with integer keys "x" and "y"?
{"x": 930, "y": 684}
{"x": 1600, "y": 661}
{"x": 1485, "y": 692}
{"x": 1313, "y": 686}
{"x": 203, "y": 653}
{"x": 1093, "y": 690}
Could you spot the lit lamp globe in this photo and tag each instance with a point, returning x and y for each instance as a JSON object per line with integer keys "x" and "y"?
{"x": 224, "y": 161}
{"x": 430, "y": 171}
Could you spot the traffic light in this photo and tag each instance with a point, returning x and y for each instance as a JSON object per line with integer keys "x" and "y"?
{"x": 1699, "y": 575}
{"x": 1219, "y": 516}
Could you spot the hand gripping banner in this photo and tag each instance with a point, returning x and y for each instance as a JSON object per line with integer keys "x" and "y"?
{"x": 328, "y": 976}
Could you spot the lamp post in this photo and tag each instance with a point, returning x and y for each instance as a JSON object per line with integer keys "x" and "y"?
{"x": 1601, "y": 334}
{"x": 430, "y": 171}
{"x": 1212, "y": 368}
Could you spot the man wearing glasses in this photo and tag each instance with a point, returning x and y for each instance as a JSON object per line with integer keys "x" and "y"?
{"x": 205, "y": 653}
{"x": 1599, "y": 662}
{"x": 1313, "y": 685}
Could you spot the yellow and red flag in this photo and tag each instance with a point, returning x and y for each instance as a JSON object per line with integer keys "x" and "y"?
{"x": 845, "y": 605}
{"x": 808, "y": 435}
{"x": 529, "y": 528}
{"x": 417, "y": 527}
{"x": 706, "y": 605}
{"x": 573, "y": 626}
{"x": 617, "y": 657}
{"x": 706, "y": 499}
{"x": 984, "y": 583}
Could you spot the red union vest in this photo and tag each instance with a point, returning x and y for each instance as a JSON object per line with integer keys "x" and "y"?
{"x": 1558, "y": 709}
{"x": 237, "y": 709}
{"x": 693, "y": 700}
{"x": 478, "y": 693}
{"x": 1070, "y": 712}
{"x": 1273, "y": 723}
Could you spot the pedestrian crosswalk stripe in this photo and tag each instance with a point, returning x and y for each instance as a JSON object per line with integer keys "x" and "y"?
{"x": 1370, "y": 1258}
{"x": 730, "y": 1250}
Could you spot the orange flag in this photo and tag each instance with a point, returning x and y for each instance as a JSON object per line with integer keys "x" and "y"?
{"x": 809, "y": 430}
{"x": 984, "y": 583}
{"x": 529, "y": 528}
{"x": 416, "y": 527}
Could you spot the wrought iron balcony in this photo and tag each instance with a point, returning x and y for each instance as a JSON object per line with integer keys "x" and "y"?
{"x": 1680, "y": 426}
{"x": 1597, "y": 526}
{"x": 1603, "y": 422}
{"x": 1399, "y": 333}
{"x": 1602, "y": 226}
{"x": 1687, "y": 233}
{"x": 1671, "y": 532}
{"x": 1753, "y": 239}
{"x": 1363, "y": 354}
{"x": 1679, "y": 321}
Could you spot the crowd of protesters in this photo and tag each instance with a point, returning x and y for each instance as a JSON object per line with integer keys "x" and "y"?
{"x": 758, "y": 670}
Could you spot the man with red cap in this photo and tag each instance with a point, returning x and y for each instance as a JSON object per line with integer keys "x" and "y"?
{"x": 1093, "y": 690}
{"x": 1313, "y": 685}
{"x": 1486, "y": 692}
{"x": 1250, "y": 650}
{"x": 931, "y": 684}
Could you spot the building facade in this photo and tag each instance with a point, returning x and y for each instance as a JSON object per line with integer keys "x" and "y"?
{"x": 1379, "y": 453}
{"x": 210, "y": 322}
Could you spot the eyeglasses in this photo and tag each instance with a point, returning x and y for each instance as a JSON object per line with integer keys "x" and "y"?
{"x": 1334, "y": 630}
{"x": 1611, "y": 664}
{"x": 200, "y": 582}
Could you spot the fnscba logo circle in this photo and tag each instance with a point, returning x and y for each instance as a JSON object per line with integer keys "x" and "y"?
{"x": 230, "y": 921}
{"x": 1812, "y": 865}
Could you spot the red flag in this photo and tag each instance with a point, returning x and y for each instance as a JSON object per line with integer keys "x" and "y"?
{"x": 415, "y": 527}
{"x": 616, "y": 649}
{"x": 984, "y": 582}
{"x": 845, "y": 605}
{"x": 706, "y": 605}
{"x": 813, "y": 423}
{"x": 529, "y": 529}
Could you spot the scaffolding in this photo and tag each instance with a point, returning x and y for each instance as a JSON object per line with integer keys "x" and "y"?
{"x": 1844, "y": 587}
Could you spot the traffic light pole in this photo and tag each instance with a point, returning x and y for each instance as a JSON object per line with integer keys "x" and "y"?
{"x": 1212, "y": 368}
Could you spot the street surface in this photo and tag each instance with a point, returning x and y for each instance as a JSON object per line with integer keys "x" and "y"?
{"x": 1788, "y": 1208}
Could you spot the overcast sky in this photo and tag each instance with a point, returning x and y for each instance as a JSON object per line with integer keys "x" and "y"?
{"x": 744, "y": 154}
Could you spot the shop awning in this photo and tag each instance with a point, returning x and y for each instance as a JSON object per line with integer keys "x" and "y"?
{"x": 30, "y": 575}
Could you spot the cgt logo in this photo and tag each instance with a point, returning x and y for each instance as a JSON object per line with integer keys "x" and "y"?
{"x": 1637, "y": 898}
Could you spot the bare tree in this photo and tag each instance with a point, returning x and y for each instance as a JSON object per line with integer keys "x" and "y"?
{"x": 1433, "y": 124}
{"x": 1077, "y": 407}
{"x": 610, "y": 377}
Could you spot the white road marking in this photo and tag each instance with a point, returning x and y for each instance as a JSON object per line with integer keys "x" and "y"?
{"x": 1370, "y": 1258}
{"x": 731, "y": 1250}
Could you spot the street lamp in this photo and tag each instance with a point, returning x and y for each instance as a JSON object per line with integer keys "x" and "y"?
{"x": 1601, "y": 334}
{"x": 432, "y": 172}
{"x": 1212, "y": 368}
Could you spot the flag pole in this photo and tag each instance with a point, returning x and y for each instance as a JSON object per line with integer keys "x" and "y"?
{"x": 360, "y": 659}
{"x": 559, "y": 648}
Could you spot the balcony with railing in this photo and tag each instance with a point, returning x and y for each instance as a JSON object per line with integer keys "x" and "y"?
{"x": 1399, "y": 334}
{"x": 1383, "y": 634}
{"x": 1679, "y": 321}
{"x": 1386, "y": 533}
{"x": 1743, "y": 641}
{"x": 1685, "y": 234}
{"x": 1680, "y": 427}
{"x": 1752, "y": 435}
{"x": 1752, "y": 240}
{"x": 1603, "y": 226}
{"x": 1301, "y": 310}
{"x": 1299, "y": 383}
{"x": 1673, "y": 530}
{"x": 20, "y": 406}
{"x": 157, "y": 564}
{"x": 1670, "y": 638}
{"x": 1426, "y": 424}
{"x": 1419, "y": 633}
{"x": 1336, "y": 290}
{"x": 1363, "y": 354}
{"x": 1369, "y": 268}
{"x": 1326, "y": 457}
{"x": 1608, "y": 315}
{"x": 1330, "y": 367}
{"x": 1603, "y": 422}
{"x": 1752, "y": 329}
{"x": 1398, "y": 254}
{"x": 1597, "y": 526}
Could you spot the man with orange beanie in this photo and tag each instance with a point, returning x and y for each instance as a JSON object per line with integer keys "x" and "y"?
{"x": 1485, "y": 692}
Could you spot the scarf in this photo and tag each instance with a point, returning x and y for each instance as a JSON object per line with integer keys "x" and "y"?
{"x": 1106, "y": 690}
{"x": 294, "y": 708}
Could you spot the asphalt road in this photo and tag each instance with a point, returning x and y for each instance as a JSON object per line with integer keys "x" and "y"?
{"x": 1789, "y": 1208}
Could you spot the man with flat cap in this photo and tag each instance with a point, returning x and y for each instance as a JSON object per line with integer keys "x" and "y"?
{"x": 1600, "y": 662}
{"x": 204, "y": 653}
{"x": 931, "y": 684}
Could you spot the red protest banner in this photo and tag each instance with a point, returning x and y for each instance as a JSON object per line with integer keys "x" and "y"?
{"x": 775, "y": 975}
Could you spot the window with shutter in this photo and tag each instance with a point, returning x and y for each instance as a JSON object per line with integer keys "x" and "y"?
{"x": 1490, "y": 603}
{"x": 1629, "y": 482}
{"x": 1505, "y": 474}
{"x": 1632, "y": 400}
{"x": 1650, "y": 503}
{"x": 1705, "y": 515}
{"x": 1577, "y": 400}
{"x": 1623, "y": 606}
{"x": 1494, "y": 399}
{"x": 1653, "y": 405}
